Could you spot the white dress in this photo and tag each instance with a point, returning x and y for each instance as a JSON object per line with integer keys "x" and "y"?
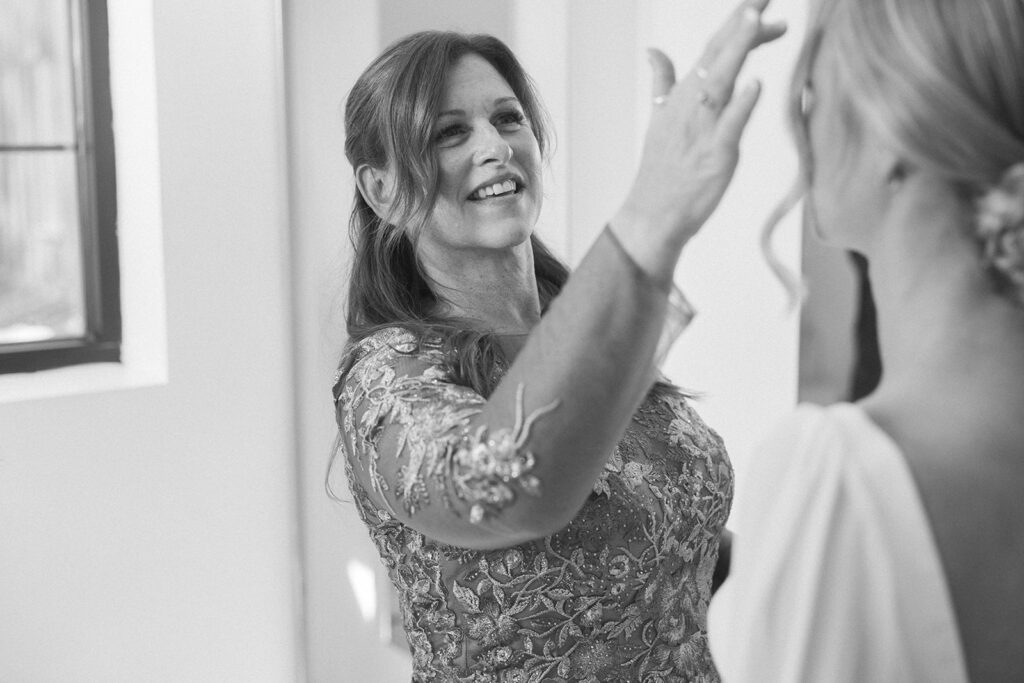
{"x": 835, "y": 573}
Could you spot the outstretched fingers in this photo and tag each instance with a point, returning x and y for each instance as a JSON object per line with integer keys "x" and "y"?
{"x": 747, "y": 33}
{"x": 736, "y": 114}
{"x": 727, "y": 30}
{"x": 728, "y": 50}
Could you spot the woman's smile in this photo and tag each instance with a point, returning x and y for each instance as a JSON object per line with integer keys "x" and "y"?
{"x": 489, "y": 165}
{"x": 497, "y": 188}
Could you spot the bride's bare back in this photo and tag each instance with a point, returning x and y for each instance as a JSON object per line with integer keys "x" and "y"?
{"x": 967, "y": 459}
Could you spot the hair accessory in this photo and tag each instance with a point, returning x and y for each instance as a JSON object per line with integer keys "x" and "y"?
{"x": 659, "y": 100}
{"x": 1001, "y": 228}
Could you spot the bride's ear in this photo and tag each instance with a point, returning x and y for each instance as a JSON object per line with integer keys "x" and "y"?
{"x": 897, "y": 173}
{"x": 377, "y": 187}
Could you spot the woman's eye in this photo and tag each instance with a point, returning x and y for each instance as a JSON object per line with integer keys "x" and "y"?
{"x": 510, "y": 120}
{"x": 449, "y": 132}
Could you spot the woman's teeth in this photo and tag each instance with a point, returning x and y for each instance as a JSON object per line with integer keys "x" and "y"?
{"x": 496, "y": 189}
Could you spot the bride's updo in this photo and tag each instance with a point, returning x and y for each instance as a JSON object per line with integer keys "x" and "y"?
{"x": 1001, "y": 231}
{"x": 943, "y": 84}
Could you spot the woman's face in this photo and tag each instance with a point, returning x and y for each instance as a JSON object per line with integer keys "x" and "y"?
{"x": 489, "y": 165}
{"x": 848, "y": 185}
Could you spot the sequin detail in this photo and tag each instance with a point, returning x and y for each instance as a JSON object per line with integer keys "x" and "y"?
{"x": 484, "y": 467}
{"x": 621, "y": 594}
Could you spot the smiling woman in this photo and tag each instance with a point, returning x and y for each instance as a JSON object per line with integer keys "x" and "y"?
{"x": 547, "y": 505}
{"x": 489, "y": 179}
{"x": 451, "y": 142}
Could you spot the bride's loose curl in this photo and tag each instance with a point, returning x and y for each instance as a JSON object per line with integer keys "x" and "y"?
{"x": 942, "y": 83}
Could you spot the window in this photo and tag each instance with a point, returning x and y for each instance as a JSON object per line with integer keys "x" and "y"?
{"x": 59, "y": 281}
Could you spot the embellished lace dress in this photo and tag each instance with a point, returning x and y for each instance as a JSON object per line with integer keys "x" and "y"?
{"x": 620, "y": 594}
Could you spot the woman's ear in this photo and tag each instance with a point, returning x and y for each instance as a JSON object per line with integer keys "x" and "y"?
{"x": 897, "y": 174}
{"x": 899, "y": 170}
{"x": 377, "y": 186}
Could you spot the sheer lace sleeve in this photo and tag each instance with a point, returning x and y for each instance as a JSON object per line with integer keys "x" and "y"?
{"x": 409, "y": 439}
{"x": 679, "y": 312}
{"x": 519, "y": 465}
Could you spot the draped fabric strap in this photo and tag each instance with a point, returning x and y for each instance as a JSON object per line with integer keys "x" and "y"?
{"x": 835, "y": 573}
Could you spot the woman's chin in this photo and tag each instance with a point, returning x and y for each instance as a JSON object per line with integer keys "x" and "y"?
{"x": 504, "y": 234}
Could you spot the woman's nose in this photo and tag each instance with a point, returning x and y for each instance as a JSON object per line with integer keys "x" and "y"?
{"x": 491, "y": 148}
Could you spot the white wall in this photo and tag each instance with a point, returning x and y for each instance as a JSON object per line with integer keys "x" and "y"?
{"x": 148, "y": 534}
{"x": 328, "y": 43}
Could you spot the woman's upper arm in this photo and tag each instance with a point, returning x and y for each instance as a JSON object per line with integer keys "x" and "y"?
{"x": 414, "y": 448}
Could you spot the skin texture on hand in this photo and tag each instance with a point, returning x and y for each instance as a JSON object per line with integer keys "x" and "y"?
{"x": 691, "y": 148}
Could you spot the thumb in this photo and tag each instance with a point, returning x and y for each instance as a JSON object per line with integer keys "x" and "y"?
{"x": 663, "y": 73}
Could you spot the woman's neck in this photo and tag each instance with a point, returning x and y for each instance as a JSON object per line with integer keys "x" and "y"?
{"x": 496, "y": 288}
{"x": 941, "y": 326}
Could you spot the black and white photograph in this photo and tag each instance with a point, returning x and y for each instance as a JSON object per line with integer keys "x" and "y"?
{"x": 511, "y": 341}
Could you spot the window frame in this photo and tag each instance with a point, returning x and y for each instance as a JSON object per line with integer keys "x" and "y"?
{"x": 97, "y": 202}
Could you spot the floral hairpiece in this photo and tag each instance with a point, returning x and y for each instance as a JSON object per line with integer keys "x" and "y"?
{"x": 1001, "y": 228}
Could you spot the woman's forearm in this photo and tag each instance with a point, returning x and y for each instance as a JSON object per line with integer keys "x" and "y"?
{"x": 591, "y": 358}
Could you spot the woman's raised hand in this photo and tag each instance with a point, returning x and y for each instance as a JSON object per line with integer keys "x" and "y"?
{"x": 692, "y": 142}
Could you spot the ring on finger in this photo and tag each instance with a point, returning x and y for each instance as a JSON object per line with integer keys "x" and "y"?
{"x": 659, "y": 100}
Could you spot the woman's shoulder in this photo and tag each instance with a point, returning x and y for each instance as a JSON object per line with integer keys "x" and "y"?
{"x": 386, "y": 347}
{"x": 389, "y": 340}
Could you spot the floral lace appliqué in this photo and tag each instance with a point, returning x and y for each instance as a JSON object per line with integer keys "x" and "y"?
{"x": 484, "y": 467}
{"x": 481, "y": 469}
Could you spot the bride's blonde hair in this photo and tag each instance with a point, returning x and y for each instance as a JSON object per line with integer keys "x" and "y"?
{"x": 942, "y": 82}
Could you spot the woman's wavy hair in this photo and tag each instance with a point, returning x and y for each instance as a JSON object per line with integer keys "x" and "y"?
{"x": 390, "y": 115}
{"x": 942, "y": 81}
